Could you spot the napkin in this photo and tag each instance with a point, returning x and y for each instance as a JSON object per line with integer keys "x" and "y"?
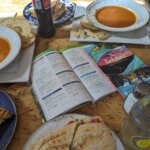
{"x": 7, "y": 15}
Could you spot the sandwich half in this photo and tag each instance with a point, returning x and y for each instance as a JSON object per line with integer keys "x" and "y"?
{"x": 92, "y": 135}
{"x": 58, "y": 140}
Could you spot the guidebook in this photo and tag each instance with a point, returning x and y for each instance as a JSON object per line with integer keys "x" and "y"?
{"x": 127, "y": 72}
{"x": 62, "y": 81}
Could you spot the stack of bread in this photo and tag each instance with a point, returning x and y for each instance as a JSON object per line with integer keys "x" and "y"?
{"x": 84, "y": 134}
{"x": 58, "y": 9}
{"x": 23, "y": 28}
{"x": 88, "y": 30}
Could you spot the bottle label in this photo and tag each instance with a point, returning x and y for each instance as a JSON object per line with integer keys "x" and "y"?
{"x": 141, "y": 142}
{"x": 39, "y": 4}
{"x": 47, "y": 4}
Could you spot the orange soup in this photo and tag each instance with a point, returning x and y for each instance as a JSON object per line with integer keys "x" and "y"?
{"x": 115, "y": 16}
{"x": 4, "y": 48}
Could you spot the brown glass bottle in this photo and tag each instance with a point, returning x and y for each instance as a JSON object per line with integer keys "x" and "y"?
{"x": 43, "y": 11}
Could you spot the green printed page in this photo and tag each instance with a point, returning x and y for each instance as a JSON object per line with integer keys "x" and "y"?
{"x": 49, "y": 51}
{"x": 55, "y": 85}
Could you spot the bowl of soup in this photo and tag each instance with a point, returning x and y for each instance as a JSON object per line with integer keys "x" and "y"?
{"x": 117, "y": 15}
{"x": 10, "y": 45}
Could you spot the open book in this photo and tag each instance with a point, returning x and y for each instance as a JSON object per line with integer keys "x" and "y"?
{"x": 61, "y": 82}
{"x": 127, "y": 72}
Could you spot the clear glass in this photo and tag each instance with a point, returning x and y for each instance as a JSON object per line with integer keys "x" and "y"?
{"x": 135, "y": 131}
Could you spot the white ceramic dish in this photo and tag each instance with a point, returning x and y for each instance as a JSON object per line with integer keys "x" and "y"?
{"x": 58, "y": 123}
{"x": 140, "y": 11}
{"x": 15, "y": 42}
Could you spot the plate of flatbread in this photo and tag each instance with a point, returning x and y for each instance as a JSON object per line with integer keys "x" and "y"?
{"x": 62, "y": 10}
{"x": 8, "y": 119}
{"x": 74, "y": 132}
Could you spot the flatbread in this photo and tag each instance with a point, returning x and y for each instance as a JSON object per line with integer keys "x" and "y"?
{"x": 86, "y": 24}
{"x": 93, "y": 136}
{"x": 84, "y": 33}
{"x": 26, "y": 43}
{"x": 84, "y": 134}
{"x": 21, "y": 26}
{"x": 58, "y": 9}
{"x": 58, "y": 140}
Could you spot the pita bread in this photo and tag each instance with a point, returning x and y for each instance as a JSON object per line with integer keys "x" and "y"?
{"x": 86, "y": 24}
{"x": 26, "y": 43}
{"x": 58, "y": 140}
{"x": 84, "y": 33}
{"x": 21, "y": 26}
{"x": 58, "y": 9}
{"x": 93, "y": 136}
{"x": 85, "y": 134}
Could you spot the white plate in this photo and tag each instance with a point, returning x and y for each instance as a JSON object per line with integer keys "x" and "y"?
{"x": 15, "y": 42}
{"x": 139, "y": 10}
{"x": 58, "y": 123}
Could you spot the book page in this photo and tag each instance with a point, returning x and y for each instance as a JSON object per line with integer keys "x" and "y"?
{"x": 55, "y": 85}
{"x": 95, "y": 81}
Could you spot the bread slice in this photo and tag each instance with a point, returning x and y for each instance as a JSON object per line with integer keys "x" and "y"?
{"x": 4, "y": 115}
{"x": 26, "y": 43}
{"x": 21, "y": 26}
{"x": 58, "y": 9}
{"x": 86, "y": 24}
{"x": 93, "y": 136}
{"x": 58, "y": 140}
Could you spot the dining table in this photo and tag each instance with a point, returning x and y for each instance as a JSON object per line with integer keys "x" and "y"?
{"x": 110, "y": 107}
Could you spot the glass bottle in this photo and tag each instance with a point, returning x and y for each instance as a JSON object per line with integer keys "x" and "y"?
{"x": 43, "y": 12}
{"x": 135, "y": 131}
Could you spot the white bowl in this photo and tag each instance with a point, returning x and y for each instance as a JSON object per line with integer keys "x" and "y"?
{"x": 140, "y": 11}
{"x": 15, "y": 42}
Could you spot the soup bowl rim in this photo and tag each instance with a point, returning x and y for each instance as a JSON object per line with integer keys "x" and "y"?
{"x": 94, "y": 6}
{"x": 15, "y": 45}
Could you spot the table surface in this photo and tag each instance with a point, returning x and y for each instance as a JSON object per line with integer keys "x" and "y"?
{"x": 109, "y": 108}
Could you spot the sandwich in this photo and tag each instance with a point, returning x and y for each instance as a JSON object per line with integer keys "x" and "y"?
{"x": 93, "y": 136}
{"x": 4, "y": 115}
{"x": 58, "y": 140}
{"x": 85, "y": 134}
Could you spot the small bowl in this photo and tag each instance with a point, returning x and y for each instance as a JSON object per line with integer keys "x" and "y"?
{"x": 140, "y": 11}
{"x": 15, "y": 43}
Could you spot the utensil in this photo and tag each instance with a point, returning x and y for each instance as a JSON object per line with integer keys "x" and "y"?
{"x": 140, "y": 11}
{"x": 7, "y": 129}
{"x": 77, "y": 18}
{"x": 15, "y": 43}
{"x": 58, "y": 123}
